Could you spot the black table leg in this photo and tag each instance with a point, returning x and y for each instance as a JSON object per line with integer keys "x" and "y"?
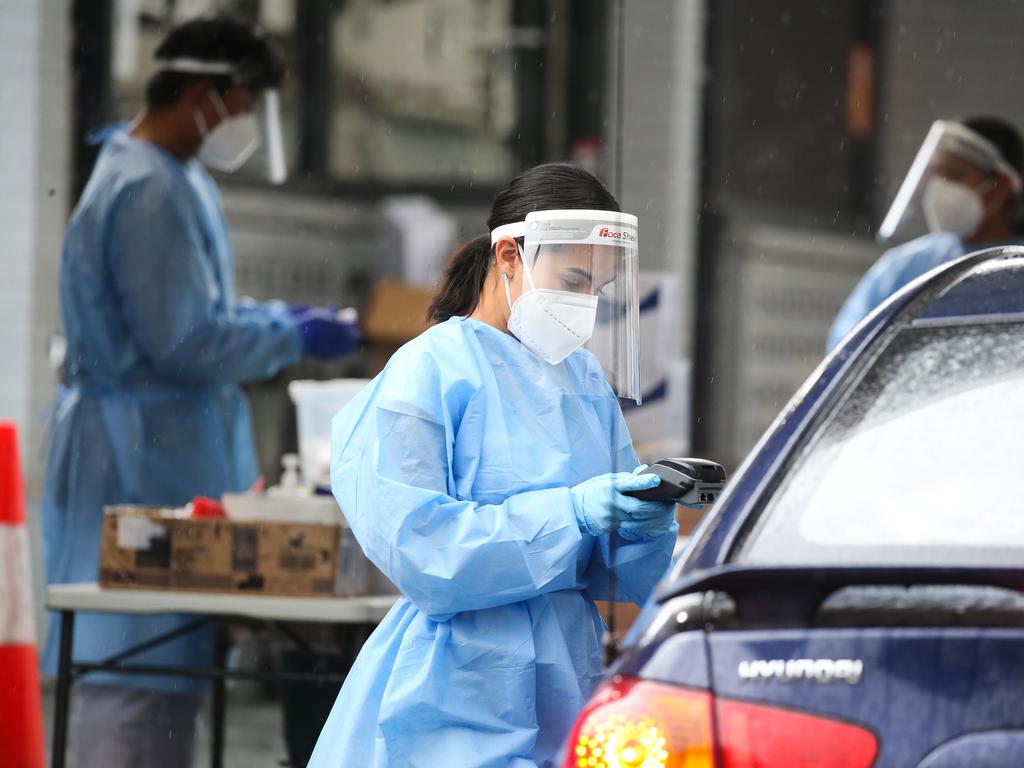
{"x": 218, "y": 704}
{"x": 60, "y": 714}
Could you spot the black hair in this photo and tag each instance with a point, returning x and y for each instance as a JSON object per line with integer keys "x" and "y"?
{"x": 1004, "y": 136}
{"x": 214, "y": 37}
{"x": 1008, "y": 141}
{"x": 543, "y": 187}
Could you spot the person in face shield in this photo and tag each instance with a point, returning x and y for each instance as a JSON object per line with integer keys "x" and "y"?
{"x": 157, "y": 343}
{"x": 484, "y": 471}
{"x": 966, "y": 181}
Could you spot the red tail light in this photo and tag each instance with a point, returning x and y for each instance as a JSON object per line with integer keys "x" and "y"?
{"x": 642, "y": 724}
{"x": 756, "y": 736}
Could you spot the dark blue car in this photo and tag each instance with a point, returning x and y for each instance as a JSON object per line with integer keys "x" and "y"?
{"x": 856, "y": 597}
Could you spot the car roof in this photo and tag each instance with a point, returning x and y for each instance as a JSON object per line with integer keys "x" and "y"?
{"x": 991, "y": 287}
{"x": 982, "y": 286}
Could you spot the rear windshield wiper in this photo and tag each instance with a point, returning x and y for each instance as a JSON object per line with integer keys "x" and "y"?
{"x": 922, "y": 605}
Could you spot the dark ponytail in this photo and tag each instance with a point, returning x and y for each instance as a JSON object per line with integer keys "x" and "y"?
{"x": 463, "y": 281}
{"x": 545, "y": 187}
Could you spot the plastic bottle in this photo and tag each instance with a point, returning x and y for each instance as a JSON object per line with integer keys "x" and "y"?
{"x": 290, "y": 483}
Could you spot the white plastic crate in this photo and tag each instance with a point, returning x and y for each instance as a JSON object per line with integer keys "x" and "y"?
{"x": 316, "y": 404}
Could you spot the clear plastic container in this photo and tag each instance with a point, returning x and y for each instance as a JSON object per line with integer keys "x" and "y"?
{"x": 355, "y": 574}
{"x": 316, "y": 403}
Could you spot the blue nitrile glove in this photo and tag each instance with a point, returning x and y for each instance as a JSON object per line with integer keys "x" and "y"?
{"x": 601, "y": 506}
{"x": 652, "y": 521}
{"x": 652, "y": 527}
{"x": 324, "y": 336}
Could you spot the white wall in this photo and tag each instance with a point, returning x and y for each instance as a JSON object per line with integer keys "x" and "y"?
{"x": 34, "y": 186}
{"x": 34, "y": 149}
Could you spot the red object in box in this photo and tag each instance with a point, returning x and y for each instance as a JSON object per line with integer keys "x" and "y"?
{"x": 204, "y": 507}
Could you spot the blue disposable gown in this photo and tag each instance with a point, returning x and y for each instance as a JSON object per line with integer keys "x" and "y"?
{"x": 157, "y": 343}
{"x": 898, "y": 267}
{"x": 453, "y": 468}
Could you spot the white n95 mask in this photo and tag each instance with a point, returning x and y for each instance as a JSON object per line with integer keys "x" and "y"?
{"x": 575, "y": 263}
{"x": 553, "y": 324}
{"x": 232, "y": 142}
{"x": 952, "y": 207}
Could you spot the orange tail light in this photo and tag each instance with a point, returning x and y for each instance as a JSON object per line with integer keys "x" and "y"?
{"x": 643, "y": 724}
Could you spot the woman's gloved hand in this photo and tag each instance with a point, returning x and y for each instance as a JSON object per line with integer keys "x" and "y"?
{"x": 324, "y": 336}
{"x": 602, "y": 508}
{"x": 652, "y": 527}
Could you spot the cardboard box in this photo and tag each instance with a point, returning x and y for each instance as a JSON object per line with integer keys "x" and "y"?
{"x": 135, "y": 548}
{"x": 274, "y": 558}
{"x": 689, "y": 519}
{"x": 395, "y": 312}
{"x": 152, "y": 548}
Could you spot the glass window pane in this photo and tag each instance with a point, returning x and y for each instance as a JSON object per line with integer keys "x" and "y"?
{"x": 423, "y": 91}
{"x": 921, "y": 464}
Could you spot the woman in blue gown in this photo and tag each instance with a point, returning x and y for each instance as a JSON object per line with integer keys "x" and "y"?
{"x": 487, "y": 481}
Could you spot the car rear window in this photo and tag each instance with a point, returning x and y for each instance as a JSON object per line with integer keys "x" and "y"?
{"x": 921, "y": 464}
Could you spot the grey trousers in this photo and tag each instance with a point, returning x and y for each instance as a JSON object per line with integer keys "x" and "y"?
{"x": 121, "y": 727}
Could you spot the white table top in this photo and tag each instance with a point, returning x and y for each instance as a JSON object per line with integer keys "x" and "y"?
{"x": 327, "y": 610}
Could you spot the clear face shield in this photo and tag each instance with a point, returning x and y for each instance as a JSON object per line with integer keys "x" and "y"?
{"x": 250, "y": 138}
{"x": 944, "y": 187}
{"x": 580, "y": 290}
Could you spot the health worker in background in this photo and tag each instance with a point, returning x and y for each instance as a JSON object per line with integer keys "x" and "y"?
{"x": 484, "y": 472}
{"x": 966, "y": 180}
{"x": 157, "y": 344}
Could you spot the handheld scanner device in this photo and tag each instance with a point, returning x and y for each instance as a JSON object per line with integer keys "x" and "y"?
{"x": 684, "y": 481}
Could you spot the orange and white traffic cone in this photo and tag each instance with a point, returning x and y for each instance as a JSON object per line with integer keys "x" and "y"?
{"x": 21, "y": 706}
